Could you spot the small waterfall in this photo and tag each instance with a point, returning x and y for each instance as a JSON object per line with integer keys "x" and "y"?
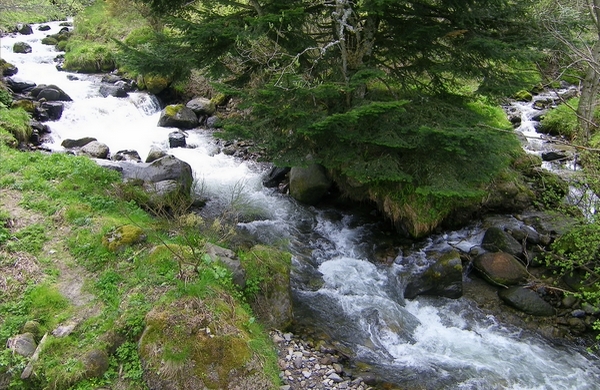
{"x": 424, "y": 343}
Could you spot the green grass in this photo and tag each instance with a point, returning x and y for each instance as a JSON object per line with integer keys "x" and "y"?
{"x": 15, "y": 123}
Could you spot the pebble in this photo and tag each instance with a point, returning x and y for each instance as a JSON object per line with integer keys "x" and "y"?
{"x": 304, "y": 367}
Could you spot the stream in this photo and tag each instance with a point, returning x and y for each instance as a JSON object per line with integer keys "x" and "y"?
{"x": 338, "y": 289}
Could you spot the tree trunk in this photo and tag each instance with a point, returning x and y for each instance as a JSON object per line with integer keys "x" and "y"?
{"x": 591, "y": 83}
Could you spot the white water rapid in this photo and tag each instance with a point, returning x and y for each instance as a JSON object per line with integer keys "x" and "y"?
{"x": 426, "y": 343}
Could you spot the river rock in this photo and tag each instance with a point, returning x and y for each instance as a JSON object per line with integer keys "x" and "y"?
{"x": 526, "y": 300}
{"x": 500, "y": 268}
{"x": 77, "y": 143}
{"x": 24, "y": 29}
{"x": 177, "y": 140}
{"x": 19, "y": 86}
{"x": 7, "y": 68}
{"x": 43, "y": 27}
{"x": 154, "y": 154}
{"x": 201, "y": 106}
{"x": 211, "y": 122}
{"x": 50, "y": 93}
{"x": 309, "y": 184}
{"x": 178, "y": 116}
{"x": 126, "y": 155}
{"x": 95, "y": 149}
{"x": 497, "y": 240}
{"x": 22, "y": 48}
{"x": 113, "y": 90}
{"x": 22, "y": 344}
{"x": 54, "y": 109}
{"x": 553, "y": 155}
{"x": 275, "y": 176}
{"x": 443, "y": 278}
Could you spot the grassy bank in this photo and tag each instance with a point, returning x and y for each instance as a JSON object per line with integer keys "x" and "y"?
{"x": 36, "y": 11}
{"x": 77, "y": 254}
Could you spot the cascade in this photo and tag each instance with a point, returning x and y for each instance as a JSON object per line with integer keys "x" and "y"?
{"x": 432, "y": 343}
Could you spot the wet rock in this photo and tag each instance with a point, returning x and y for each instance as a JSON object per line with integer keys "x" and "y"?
{"x": 526, "y": 300}
{"x": 178, "y": 116}
{"x": 553, "y": 155}
{"x": 443, "y": 278}
{"x": 96, "y": 149}
{"x": 53, "y": 109}
{"x": 578, "y": 313}
{"x": 275, "y": 176}
{"x": 177, "y": 140}
{"x": 497, "y": 240}
{"x": 50, "y": 93}
{"x": 154, "y": 154}
{"x": 77, "y": 143}
{"x": 43, "y": 27}
{"x": 24, "y": 29}
{"x": 7, "y": 68}
{"x": 114, "y": 90}
{"x": 526, "y": 234}
{"x": 309, "y": 184}
{"x": 22, "y": 48}
{"x": 500, "y": 268}
{"x": 126, "y": 155}
{"x": 22, "y": 344}
{"x": 19, "y": 86}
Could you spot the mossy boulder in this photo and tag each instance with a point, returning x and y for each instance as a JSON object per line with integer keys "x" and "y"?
{"x": 524, "y": 96}
{"x": 26, "y": 105}
{"x": 443, "y": 277}
{"x": 309, "y": 184}
{"x": 179, "y": 116}
{"x": 153, "y": 83}
{"x": 497, "y": 240}
{"x": 193, "y": 343}
{"x": 268, "y": 285}
{"x": 22, "y": 48}
{"x": 51, "y": 41}
{"x": 122, "y": 237}
{"x": 500, "y": 269}
{"x": 7, "y": 68}
{"x": 202, "y": 106}
{"x": 95, "y": 363}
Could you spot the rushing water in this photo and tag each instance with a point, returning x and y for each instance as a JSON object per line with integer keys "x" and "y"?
{"x": 425, "y": 343}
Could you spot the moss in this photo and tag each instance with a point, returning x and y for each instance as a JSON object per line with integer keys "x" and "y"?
{"x": 16, "y": 122}
{"x": 523, "y": 95}
{"x": 155, "y": 83}
{"x": 49, "y": 41}
{"x": 173, "y": 109}
{"x": 123, "y": 236}
{"x": 26, "y": 105}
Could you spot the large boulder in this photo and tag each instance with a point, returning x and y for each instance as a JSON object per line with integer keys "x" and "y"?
{"x": 22, "y": 48}
{"x": 50, "y": 93}
{"x": 500, "y": 268}
{"x": 19, "y": 86}
{"x": 309, "y": 184}
{"x": 526, "y": 300}
{"x": 187, "y": 345}
{"x": 497, "y": 240}
{"x": 95, "y": 149}
{"x": 22, "y": 344}
{"x": 179, "y": 116}
{"x": 443, "y": 278}
{"x": 53, "y": 109}
{"x": 202, "y": 106}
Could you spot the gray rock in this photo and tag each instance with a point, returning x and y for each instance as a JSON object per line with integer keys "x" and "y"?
{"x": 8, "y": 69}
{"x": 50, "y": 93}
{"x": 154, "y": 154}
{"x": 126, "y": 155}
{"x": 178, "y": 116}
{"x": 113, "y": 90}
{"x": 24, "y": 29}
{"x": 212, "y": 121}
{"x": 96, "y": 149}
{"x": 229, "y": 260}
{"x": 19, "y": 86}
{"x": 44, "y": 27}
{"x": 500, "y": 268}
{"x": 22, "y": 344}
{"x": 77, "y": 143}
{"x": 53, "y": 109}
{"x": 526, "y": 300}
{"x": 201, "y": 106}
{"x": 497, "y": 240}
{"x": 552, "y": 156}
{"x": 309, "y": 185}
{"x": 443, "y": 278}
{"x": 177, "y": 140}
{"x": 22, "y": 48}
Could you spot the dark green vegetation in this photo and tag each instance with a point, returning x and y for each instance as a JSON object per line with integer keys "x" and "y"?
{"x": 73, "y": 251}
